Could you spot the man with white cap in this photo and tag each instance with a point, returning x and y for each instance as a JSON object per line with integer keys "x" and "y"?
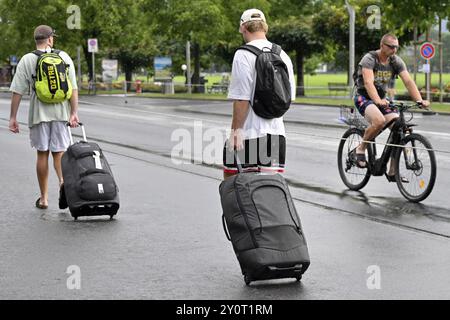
{"x": 260, "y": 141}
{"x": 47, "y": 121}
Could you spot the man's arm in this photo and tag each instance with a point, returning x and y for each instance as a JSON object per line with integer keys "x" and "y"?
{"x": 240, "y": 111}
{"x": 369, "y": 79}
{"x": 15, "y": 102}
{"x": 73, "y": 120}
{"x": 412, "y": 88}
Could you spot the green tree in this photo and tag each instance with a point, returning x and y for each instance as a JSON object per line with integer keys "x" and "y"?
{"x": 292, "y": 29}
{"x": 405, "y": 15}
{"x": 332, "y": 26}
{"x": 297, "y": 35}
{"x": 201, "y": 22}
{"x": 127, "y": 37}
{"x": 20, "y": 17}
{"x": 398, "y": 17}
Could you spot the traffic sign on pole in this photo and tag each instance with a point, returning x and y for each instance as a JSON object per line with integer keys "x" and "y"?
{"x": 93, "y": 48}
{"x": 13, "y": 61}
{"x": 92, "y": 45}
{"x": 427, "y": 50}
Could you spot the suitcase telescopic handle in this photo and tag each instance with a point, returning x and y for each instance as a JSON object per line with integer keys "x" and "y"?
{"x": 238, "y": 161}
{"x": 70, "y": 132}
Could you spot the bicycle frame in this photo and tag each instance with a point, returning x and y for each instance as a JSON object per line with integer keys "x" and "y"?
{"x": 377, "y": 167}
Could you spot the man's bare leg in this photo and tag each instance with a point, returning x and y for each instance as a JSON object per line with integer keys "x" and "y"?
{"x": 376, "y": 119}
{"x": 42, "y": 175}
{"x": 57, "y": 165}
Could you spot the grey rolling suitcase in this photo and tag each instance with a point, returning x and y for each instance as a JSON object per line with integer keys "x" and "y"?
{"x": 89, "y": 187}
{"x": 260, "y": 220}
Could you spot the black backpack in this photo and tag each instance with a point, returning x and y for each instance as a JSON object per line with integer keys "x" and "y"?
{"x": 273, "y": 89}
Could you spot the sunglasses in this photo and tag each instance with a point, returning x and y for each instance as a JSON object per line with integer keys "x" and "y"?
{"x": 391, "y": 46}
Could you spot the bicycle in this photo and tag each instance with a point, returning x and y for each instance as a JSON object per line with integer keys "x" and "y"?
{"x": 413, "y": 155}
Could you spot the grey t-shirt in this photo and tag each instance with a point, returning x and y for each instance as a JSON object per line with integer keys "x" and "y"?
{"x": 383, "y": 73}
{"x": 22, "y": 84}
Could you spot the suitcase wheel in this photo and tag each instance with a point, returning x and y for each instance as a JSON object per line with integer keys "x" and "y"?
{"x": 76, "y": 218}
{"x": 298, "y": 277}
{"x": 111, "y": 217}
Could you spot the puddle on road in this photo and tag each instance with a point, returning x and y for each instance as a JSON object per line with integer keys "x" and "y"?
{"x": 401, "y": 206}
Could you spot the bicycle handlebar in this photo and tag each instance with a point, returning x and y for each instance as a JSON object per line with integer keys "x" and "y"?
{"x": 403, "y": 106}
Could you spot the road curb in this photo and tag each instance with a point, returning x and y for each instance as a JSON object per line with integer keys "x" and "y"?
{"x": 293, "y": 103}
{"x": 310, "y": 123}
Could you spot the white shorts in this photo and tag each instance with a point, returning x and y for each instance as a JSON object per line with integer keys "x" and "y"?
{"x": 50, "y": 136}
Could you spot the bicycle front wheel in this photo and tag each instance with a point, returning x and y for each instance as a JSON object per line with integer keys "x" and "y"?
{"x": 354, "y": 178}
{"x": 416, "y": 163}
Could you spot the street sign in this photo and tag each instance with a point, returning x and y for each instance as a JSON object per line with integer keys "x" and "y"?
{"x": 110, "y": 68}
{"x": 13, "y": 60}
{"x": 92, "y": 45}
{"x": 427, "y": 50}
{"x": 163, "y": 68}
{"x": 426, "y": 68}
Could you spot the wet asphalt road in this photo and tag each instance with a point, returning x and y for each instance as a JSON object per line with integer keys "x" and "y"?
{"x": 167, "y": 241}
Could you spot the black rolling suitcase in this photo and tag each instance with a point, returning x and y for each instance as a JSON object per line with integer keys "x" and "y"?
{"x": 89, "y": 188}
{"x": 260, "y": 219}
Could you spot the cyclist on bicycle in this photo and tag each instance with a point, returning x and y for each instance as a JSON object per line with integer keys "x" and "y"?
{"x": 376, "y": 70}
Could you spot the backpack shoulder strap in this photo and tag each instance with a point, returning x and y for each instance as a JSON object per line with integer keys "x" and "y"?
{"x": 38, "y": 52}
{"x": 374, "y": 55}
{"x": 276, "y": 49}
{"x": 256, "y": 51}
{"x": 394, "y": 68}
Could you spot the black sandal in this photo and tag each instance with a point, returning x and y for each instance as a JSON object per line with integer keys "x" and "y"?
{"x": 39, "y": 205}
{"x": 359, "y": 157}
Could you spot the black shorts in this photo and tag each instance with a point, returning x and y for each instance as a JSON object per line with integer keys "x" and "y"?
{"x": 261, "y": 154}
{"x": 362, "y": 102}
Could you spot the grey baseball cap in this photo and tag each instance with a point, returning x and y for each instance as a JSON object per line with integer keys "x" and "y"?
{"x": 44, "y": 32}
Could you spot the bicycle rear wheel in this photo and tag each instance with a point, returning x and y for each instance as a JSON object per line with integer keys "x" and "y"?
{"x": 354, "y": 178}
{"x": 416, "y": 162}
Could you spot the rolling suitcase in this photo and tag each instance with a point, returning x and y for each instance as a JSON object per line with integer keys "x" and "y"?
{"x": 89, "y": 187}
{"x": 260, "y": 220}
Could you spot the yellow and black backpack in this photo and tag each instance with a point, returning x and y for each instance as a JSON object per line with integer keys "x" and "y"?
{"x": 52, "y": 84}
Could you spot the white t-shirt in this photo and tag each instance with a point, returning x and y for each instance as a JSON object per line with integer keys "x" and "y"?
{"x": 242, "y": 87}
{"x": 22, "y": 84}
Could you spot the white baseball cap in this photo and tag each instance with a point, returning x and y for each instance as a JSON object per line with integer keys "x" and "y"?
{"x": 252, "y": 15}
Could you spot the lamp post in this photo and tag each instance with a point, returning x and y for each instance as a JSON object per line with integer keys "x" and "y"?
{"x": 188, "y": 66}
{"x": 351, "y": 13}
{"x": 184, "y": 68}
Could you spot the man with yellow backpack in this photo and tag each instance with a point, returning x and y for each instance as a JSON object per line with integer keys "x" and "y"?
{"x": 49, "y": 76}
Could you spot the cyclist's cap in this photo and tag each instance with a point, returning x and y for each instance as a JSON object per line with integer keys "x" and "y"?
{"x": 43, "y": 32}
{"x": 252, "y": 15}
